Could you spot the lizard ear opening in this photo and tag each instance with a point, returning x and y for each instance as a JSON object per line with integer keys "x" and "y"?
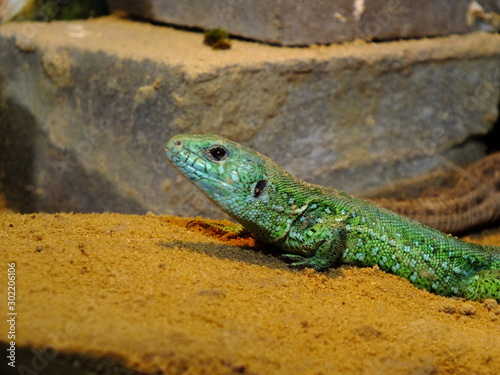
{"x": 259, "y": 188}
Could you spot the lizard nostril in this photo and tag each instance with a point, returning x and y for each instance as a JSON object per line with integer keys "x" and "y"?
{"x": 177, "y": 143}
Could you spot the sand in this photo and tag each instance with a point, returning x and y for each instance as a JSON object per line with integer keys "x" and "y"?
{"x": 130, "y": 294}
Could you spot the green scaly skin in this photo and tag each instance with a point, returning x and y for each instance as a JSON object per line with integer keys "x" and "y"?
{"x": 320, "y": 227}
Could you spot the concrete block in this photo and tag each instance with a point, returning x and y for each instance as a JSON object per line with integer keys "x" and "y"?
{"x": 86, "y": 108}
{"x": 305, "y": 22}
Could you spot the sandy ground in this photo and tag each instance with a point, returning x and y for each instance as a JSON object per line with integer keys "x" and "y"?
{"x": 128, "y": 294}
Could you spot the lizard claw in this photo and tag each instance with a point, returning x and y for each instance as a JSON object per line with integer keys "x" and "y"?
{"x": 236, "y": 230}
{"x": 300, "y": 262}
{"x": 295, "y": 261}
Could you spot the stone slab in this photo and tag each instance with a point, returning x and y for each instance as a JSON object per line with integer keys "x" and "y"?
{"x": 305, "y": 22}
{"x": 87, "y": 107}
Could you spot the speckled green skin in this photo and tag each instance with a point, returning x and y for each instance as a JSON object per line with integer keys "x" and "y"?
{"x": 319, "y": 227}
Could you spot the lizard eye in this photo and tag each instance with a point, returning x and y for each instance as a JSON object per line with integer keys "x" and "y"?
{"x": 218, "y": 153}
{"x": 259, "y": 188}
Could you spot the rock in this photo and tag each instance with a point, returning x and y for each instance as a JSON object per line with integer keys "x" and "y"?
{"x": 468, "y": 309}
{"x": 302, "y": 22}
{"x": 87, "y": 107}
{"x": 490, "y": 304}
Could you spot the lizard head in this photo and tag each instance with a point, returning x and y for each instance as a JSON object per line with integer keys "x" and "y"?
{"x": 232, "y": 176}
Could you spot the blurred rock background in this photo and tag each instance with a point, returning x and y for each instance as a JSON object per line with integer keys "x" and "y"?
{"x": 372, "y": 97}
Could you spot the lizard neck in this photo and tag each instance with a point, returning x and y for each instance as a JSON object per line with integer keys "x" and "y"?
{"x": 285, "y": 198}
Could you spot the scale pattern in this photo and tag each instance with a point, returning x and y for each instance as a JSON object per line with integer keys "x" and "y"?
{"x": 319, "y": 227}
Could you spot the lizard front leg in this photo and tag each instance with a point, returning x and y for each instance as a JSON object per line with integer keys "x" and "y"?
{"x": 322, "y": 246}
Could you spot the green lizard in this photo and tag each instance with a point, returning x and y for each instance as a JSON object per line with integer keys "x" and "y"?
{"x": 319, "y": 227}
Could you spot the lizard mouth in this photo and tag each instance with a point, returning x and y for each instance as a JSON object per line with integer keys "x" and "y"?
{"x": 199, "y": 171}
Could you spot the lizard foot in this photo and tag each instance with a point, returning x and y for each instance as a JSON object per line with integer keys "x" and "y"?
{"x": 235, "y": 230}
{"x": 300, "y": 262}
